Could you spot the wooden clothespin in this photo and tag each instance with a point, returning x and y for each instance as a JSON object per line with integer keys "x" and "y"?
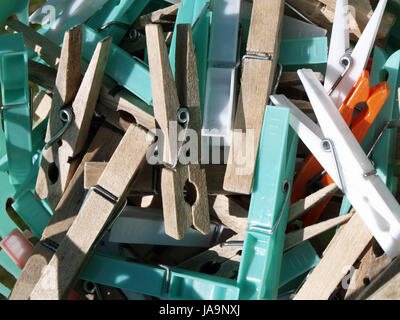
{"x": 258, "y": 76}
{"x": 98, "y": 209}
{"x": 101, "y": 149}
{"x": 73, "y": 103}
{"x": 170, "y": 101}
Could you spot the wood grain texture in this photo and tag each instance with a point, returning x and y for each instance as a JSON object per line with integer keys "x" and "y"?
{"x": 214, "y": 178}
{"x": 74, "y": 139}
{"x": 294, "y": 238}
{"x": 187, "y": 85}
{"x": 156, "y": 16}
{"x": 110, "y": 105}
{"x": 229, "y": 213}
{"x": 67, "y": 83}
{"x": 75, "y": 249}
{"x": 343, "y": 250}
{"x": 101, "y": 149}
{"x": 380, "y": 280}
{"x": 300, "y": 207}
{"x": 177, "y": 215}
{"x": 371, "y": 264}
{"x": 321, "y": 12}
{"x": 256, "y": 84}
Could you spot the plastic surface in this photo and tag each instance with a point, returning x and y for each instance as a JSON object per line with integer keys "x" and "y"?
{"x": 18, "y": 248}
{"x": 296, "y": 29}
{"x": 361, "y": 92}
{"x": 368, "y": 194}
{"x": 297, "y": 53}
{"x": 15, "y": 97}
{"x": 259, "y": 272}
{"x": 130, "y": 73}
{"x": 79, "y": 10}
{"x": 360, "y": 55}
{"x": 146, "y": 226}
{"x": 123, "y": 11}
{"x": 220, "y": 101}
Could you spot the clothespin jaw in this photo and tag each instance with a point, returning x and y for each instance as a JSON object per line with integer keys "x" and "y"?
{"x": 178, "y": 214}
{"x": 16, "y": 113}
{"x": 348, "y": 165}
{"x": 361, "y": 92}
{"x": 59, "y": 161}
{"x": 263, "y": 247}
{"x": 354, "y": 63}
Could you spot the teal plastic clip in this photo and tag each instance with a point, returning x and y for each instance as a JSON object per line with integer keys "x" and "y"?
{"x": 259, "y": 271}
{"x": 16, "y": 112}
{"x": 130, "y": 73}
{"x": 18, "y": 7}
{"x": 115, "y": 15}
{"x": 197, "y": 14}
{"x": 311, "y": 53}
{"x": 296, "y": 264}
{"x": 384, "y": 153}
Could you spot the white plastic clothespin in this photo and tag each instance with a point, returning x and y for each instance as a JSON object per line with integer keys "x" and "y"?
{"x": 146, "y": 226}
{"x": 64, "y": 11}
{"x": 297, "y": 29}
{"x": 220, "y": 101}
{"x": 345, "y": 67}
{"x": 337, "y": 150}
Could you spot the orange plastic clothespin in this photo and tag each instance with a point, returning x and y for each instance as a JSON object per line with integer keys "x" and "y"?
{"x": 361, "y": 92}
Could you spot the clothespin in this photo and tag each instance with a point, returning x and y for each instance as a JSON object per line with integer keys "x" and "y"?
{"x": 380, "y": 140}
{"x": 62, "y": 12}
{"x": 146, "y": 226}
{"x": 175, "y": 104}
{"x": 16, "y": 113}
{"x": 297, "y": 53}
{"x": 259, "y": 247}
{"x": 338, "y": 151}
{"x": 69, "y": 126}
{"x": 361, "y": 92}
{"x": 115, "y": 18}
{"x": 259, "y": 270}
{"x": 130, "y": 73}
{"x": 344, "y": 66}
{"x": 101, "y": 203}
{"x": 257, "y": 80}
{"x": 296, "y": 29}
{"x": 102, "y": 147}
{"x": 197, "y": 14}
{"x": 219, "y": 110}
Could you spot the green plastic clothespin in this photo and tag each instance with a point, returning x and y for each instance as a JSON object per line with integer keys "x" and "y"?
{"x": 259, "y": 272}
{"x": 16, "y": 112}
{"x": 309, "y": 53}
{"x": 116, "y": 14}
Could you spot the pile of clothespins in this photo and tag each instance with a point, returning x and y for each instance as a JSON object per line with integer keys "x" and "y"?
{"x": 200, "y": 149}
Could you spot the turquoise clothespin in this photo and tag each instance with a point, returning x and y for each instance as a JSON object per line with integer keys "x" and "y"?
{"x": 114, "y": 15}
{"x": 309, "y": 53}
{"x": 259, "y": 272}
{"x": 16, "y": 112}
{"x": 296, "y": 264}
